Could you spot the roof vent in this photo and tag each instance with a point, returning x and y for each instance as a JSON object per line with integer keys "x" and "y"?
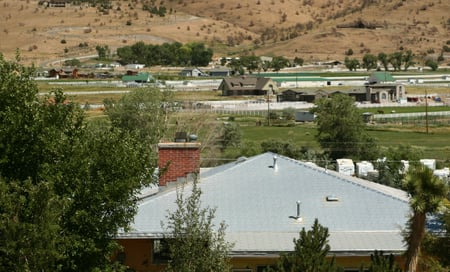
{"x": 332, "y": 198}
{"x": 275, "y": 162}
{"x": 297, "y": 217}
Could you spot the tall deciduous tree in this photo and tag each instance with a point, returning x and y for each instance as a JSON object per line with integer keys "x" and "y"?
{"x": 369, "y": 61}
{"x": 383, "y": 58}
{"x": 144, "y": 112}
{"x": 341, "y": 129}
{"x": 66, "y": 187}
{"x": 194, "y": 243}
{"x": 310, "y": 252}
{"x": 427, "y": 194}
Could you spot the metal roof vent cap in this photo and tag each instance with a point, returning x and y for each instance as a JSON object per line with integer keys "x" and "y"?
{"x": 275, "y": 166}
{"x": 297, "y": 217}
{"x": 332, "y": 198}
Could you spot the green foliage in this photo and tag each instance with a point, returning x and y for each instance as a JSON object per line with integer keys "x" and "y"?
{"x": 351, "y": 64}
{"x": 432, "y": 64}
{"x": 29, "y": 226}
{"x": 299, "y": 61}
{"x": 252, "y": 63}
{"x": 369, "y": 61}
{"x": 383, "y": 58}
{"x": 427, "y": 195}
{"x": 231, "y": 135}
{"x": 103, "y": 52}
{"x": 193, "y": 242}
{"x": 383, "y": 263}
{"x": 407, "y": 59}
{"x": 72, "y": 62}
{"x": 195, "y": 54}
{"x": 396, "y": 60}
{"x": 143, "y": 112}
{"x": 64, "y": 191}
{"x": 310, "y": 253}
{"x": 341, "y": 129}
{"x": 391, "y": 169}
{"x": 278, "y": 63}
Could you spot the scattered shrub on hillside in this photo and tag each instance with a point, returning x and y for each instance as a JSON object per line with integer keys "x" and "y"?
{"x": 63, "y": 41}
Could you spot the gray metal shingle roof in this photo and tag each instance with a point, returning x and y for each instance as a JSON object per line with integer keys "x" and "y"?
{"x": 256, "y": 201}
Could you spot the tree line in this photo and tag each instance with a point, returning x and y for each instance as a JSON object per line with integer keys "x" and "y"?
{"x": 170, "y": 54}
{"x": 400, "y": 60}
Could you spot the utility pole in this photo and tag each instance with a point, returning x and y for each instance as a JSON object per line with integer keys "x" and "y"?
{"x": 268, "y": 108}
{"x": 426, "y": 111}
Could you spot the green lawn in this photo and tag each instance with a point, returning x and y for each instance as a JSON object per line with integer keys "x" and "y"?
{"x": 434, "y": 145}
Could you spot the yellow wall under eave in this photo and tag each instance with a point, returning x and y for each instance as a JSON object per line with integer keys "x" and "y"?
{"x": 138, "y": 256}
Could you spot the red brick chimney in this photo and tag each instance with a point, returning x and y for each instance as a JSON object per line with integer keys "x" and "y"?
{"x": 177, "y": 159}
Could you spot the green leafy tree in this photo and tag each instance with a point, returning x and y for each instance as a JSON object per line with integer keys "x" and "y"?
{"x": 383, "y": 263}
{"x": 432, "y": 64}
{"x": 384, "y": 59}
{"x": 278, "y": 63}
{"x": 72, "y": 62}
{"x": 427, "y": 194}
{"x": 369, "y": 61}
{"x": 200, "y": 56}
{"x": 103, "y": 52}
{"x": 29, "y": 226}
{"x": 396, "y": 60}
{"x": 351, "y": 64}
{"x": 143, "y": 112}
{"x": 236, "y": 66}
{"x": 194, "y": 243}
{"x": 391, "y": 169}
{"x": 341, "y": 129}
{"x": 408, "y": 59}
{"x": 298, "y": 61}
{"x": 252, "y": 63}
{"x": 232, "y": 135}
{"x": 310, "y": 252}
{"x": 71, "y": 189}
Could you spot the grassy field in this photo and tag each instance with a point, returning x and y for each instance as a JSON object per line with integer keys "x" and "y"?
{"x": 434, "y": 145}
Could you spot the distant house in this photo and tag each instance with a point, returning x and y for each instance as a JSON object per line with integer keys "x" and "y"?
{"x": 134, "y": 66}
{"x": 63, "y": 74}
{"x": 191, "y": 72}
{"x": 308, "y": 96}
{"x": 247, "y": 86}
{"x": 265, "y": 201}
{"x": 219, "y": 72}
{"x": 138, "y": 78}
{"x": 382, "y": 88}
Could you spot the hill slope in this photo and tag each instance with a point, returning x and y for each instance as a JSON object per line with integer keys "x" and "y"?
{"x": 310, "y": 29}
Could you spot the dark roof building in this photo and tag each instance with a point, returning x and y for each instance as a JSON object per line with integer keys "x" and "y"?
{"x": 247, "y": 86}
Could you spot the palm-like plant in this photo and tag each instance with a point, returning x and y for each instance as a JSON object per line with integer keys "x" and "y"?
{"x": 426, "y": 195}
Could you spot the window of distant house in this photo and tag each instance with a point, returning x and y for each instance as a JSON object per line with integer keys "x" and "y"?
{"x": 160, "y": 251}
{"x": 243, "y": 270}
{"x": 383, "y": 96}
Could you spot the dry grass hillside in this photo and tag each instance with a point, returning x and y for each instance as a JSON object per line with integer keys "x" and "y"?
{"x": 315, "y": 30}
